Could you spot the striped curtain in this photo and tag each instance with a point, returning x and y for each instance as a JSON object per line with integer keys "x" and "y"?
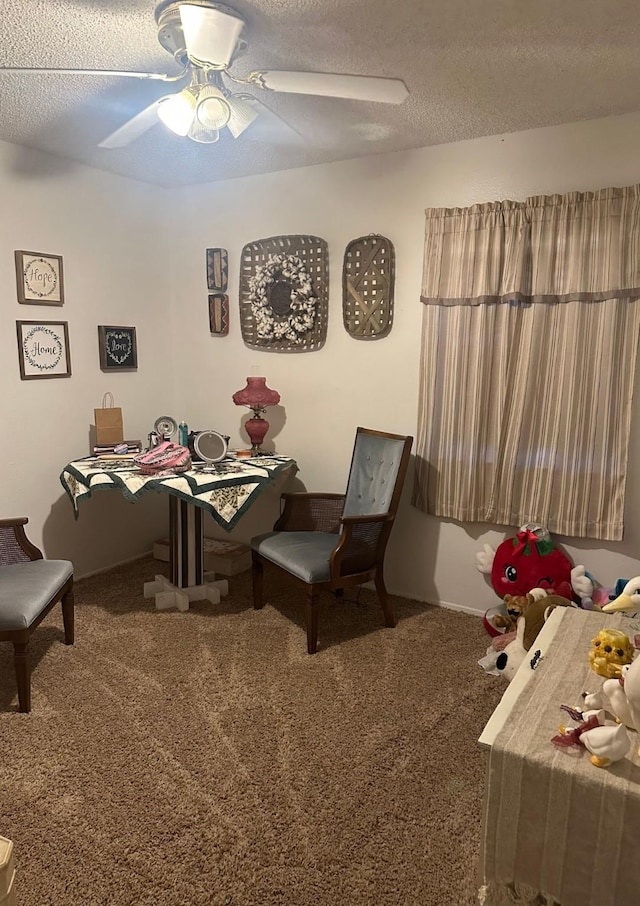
{"x": 530, "y": 334}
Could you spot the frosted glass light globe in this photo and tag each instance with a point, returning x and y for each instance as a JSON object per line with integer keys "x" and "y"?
{"x": 177, "y": 111}
{"x": 212, "y": 110}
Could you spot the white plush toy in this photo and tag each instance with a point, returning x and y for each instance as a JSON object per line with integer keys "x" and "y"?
{"x": 614, "y": 697}
{"x": 527, "y": 629}
{"x": 615, "y": 691}
{"x": 510, "y": 658}
{"x": 631, "y": 677}
{"x": 607, "y": 744}
{"x": 629, "y": 599}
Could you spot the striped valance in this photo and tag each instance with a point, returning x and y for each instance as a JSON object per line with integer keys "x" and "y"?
{"x": 582, "y": 246}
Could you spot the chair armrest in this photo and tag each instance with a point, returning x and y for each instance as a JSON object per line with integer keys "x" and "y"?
{"x": 362, "y": 520}
{"x": 309, "y": 512}
{"x": 362, "y": 544}
{"x": 15, "y": 547}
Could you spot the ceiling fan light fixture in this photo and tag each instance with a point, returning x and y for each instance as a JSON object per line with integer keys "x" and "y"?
{"x": 241, "y": 115}
{"x": 177, "y": 111}
{"x": 212, "y": 108}
{"x": 211, "y": 33}
{"x": 200, "y": 133}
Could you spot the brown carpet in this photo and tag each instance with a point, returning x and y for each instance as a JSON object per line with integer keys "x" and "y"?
{"x": 179, "y": 759}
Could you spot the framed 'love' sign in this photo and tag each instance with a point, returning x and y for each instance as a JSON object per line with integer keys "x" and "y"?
{"x": 39, "y": 278}
{"x": 118, "y": 350}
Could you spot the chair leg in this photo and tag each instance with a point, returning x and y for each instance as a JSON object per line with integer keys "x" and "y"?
{"x": 313, "y": 606}
{"x": 23, "y": 675}
{"x": 257, "y": 573}
{"x": 68, "y": 617}
{"x": 387, "y": 609}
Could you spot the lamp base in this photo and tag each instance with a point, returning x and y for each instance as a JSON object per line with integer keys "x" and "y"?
{"x": 256, "y": 427}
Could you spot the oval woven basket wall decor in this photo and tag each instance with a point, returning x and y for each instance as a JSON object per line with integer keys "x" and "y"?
{"x": 284, "y": 293}
{"x": 368, "y": 276}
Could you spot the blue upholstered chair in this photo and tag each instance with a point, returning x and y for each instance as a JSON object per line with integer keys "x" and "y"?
{"x": 333, "y": 541}
{"x": 29, "y": 587}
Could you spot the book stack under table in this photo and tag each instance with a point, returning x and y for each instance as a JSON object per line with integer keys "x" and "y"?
{"x": 226, "y": 557}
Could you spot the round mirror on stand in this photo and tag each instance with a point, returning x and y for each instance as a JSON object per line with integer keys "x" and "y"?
{"x": 210, "y": 446}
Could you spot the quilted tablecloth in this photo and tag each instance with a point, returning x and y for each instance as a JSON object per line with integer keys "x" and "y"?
{"x": 225, "y": 489}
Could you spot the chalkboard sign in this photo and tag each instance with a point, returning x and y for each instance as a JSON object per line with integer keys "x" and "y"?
{"x": 118, "y": 350}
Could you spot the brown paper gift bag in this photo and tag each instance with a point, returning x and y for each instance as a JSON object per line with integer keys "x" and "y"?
{"x": 109, "y": 426}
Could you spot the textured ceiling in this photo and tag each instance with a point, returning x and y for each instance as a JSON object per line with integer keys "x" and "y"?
{"x": 473, "y": 68}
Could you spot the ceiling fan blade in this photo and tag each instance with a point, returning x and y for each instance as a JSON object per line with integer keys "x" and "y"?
{"x": 354, "y": 87}
{"x": 266, "y": 126}
{"x": 99, "y": 72}
{"x": 210, "y": 35}
{"x": 133, "y": 128}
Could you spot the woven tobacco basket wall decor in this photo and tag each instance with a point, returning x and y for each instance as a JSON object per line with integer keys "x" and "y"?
{"x": 368, "y": 276}
{"x": 284, "y": 289}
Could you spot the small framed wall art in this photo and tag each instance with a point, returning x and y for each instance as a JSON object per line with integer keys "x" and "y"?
{"x": 43, "y": 349}
{"x": 219, "y": 314}
{"x": 39, "y": 278}
{"x": 118, "y": 348}
{"x": 217, "y": 270}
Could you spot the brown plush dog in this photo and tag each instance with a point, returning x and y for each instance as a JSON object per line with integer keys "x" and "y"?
{"x": 516, "y": 606}
{"x": 526, "y": 633}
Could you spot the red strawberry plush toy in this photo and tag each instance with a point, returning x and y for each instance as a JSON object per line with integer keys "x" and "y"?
{"x": 530, "y": 560}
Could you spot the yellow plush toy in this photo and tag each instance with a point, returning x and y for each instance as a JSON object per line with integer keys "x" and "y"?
{"x": 610, "y": 651}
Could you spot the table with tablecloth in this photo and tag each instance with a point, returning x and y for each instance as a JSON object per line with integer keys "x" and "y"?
{"x": 557, "y": 829}
{"x": 225, "y": 489}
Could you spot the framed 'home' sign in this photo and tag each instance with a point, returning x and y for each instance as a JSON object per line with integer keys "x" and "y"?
{"x": 43, "y": 349}
{"x": 118, "y": 349}
{"x": 39, "y": 278}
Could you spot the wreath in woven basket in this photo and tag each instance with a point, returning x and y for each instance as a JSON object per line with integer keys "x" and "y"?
{"x": 283, "y": 301}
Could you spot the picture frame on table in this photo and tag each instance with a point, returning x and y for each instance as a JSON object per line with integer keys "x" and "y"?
{"x": 39, "y": 278}
{"x": 43, "y": 349}
{"x": 118, "y": 348}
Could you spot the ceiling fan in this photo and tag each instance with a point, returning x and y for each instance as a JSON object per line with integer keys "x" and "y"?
{"x": 205, "y": 37}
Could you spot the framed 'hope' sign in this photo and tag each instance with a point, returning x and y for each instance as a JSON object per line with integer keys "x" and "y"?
{"x": 39, "y": 278}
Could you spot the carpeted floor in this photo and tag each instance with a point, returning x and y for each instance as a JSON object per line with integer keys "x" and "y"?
{"x": 183, "y": 759}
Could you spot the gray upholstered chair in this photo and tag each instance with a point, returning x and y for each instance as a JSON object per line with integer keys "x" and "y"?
{"x": 29, "y": 587}
{"x": 333, "y": 541}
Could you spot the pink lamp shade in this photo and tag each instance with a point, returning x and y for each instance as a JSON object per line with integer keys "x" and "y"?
{"x": 257, "y": 396}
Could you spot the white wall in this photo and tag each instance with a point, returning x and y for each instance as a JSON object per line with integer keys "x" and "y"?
{"x": 110, "y": 234}
{"x": 326, "y": 394}
{"x": 125, "y": 262}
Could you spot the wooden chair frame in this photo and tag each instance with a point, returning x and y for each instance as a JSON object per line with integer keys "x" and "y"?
{"x": 25, "y": 550}
{"x": 323, "y": 513}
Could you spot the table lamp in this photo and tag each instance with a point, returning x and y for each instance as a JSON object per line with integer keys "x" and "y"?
{"x": 256, "y": 396}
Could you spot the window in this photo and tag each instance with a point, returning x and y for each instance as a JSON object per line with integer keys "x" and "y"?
{"x": 530, "y": 335}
